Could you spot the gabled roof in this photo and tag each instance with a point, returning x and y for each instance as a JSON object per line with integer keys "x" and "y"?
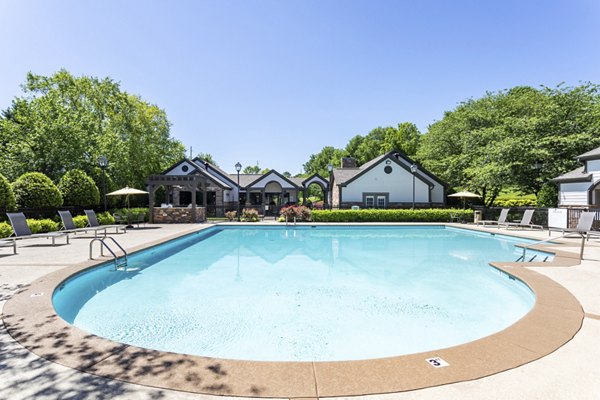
{"x": 245, "y": 179}
{"x": 214, "y": 170}
{"x": 197, "y": 169}
{"x": 313, "y": 176}
{"x": 344, "y": 176}
{"x": 577, "y": 175}
{"x": 590, "y": 155}
{"x": 267, "y": 174}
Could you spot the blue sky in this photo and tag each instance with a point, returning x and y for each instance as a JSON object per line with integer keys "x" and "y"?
{"x": 275, "y": 81}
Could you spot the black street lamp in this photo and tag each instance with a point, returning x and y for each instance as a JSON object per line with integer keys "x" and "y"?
{"x": 330, "y": 191}
{"x": 414, "y": 168}
{"x": 103, "y": 163}
{"x": 238, "y": 168}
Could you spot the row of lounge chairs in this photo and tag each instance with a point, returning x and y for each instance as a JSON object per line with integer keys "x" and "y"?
{"x": 22, "y": 231}
{"x": 525, "y": 221}
{"x": 583, "y": 228}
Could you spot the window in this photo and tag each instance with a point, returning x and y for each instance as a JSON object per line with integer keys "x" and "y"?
{"x": 380, "y": 201}
{"x": 369, "y": 201}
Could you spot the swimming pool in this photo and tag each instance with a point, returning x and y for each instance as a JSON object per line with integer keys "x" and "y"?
{"x": 303, "y": 294}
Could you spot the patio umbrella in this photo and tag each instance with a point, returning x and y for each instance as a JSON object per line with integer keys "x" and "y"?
{"x": 464, "y": 195}
{"x": 126, "y": 191}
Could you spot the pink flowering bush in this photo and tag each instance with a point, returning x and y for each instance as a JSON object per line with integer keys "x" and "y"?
{"x": 301, "y": 213}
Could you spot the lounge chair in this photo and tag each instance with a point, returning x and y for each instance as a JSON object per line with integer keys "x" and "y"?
{"x": 12, "y": 243}
{"x": 501, "y": 218}
{"x": 21, "y": 230}
{"x": 524, "y": 223}
{"x": 93, "y": 222}
{"x": 584, "y": 225}
{"x": 69, "y": 225}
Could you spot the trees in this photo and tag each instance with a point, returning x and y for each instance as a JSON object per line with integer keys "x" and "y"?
{"x": 251, "y": 169}
{"x": 317, "y": 163}
{"x": 208, "y": 158}
{"x": 64, "y": 122}
{"x": 405, "y": 137}
{"x": 7, "y": 197}
{"x": 518, "y": 138}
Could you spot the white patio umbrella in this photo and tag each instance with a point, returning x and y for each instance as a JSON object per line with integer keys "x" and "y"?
{"x": 126, "y": 191}
{"x": 464, "y": 195}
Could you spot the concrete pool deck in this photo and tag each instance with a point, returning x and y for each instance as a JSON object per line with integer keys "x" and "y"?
{"x": 570, "y": 371}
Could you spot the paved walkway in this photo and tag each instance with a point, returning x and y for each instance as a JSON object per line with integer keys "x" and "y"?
{"x": 572, "y": 372}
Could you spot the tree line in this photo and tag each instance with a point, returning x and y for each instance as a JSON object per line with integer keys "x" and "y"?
{"x": 62, "y": 123}
{"x": 516, "y": 139}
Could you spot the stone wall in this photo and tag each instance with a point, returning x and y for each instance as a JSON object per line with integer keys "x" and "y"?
{"x": 177, "y": 215}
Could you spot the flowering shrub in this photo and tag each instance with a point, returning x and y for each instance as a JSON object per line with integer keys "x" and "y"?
{"x": 301, "y": 213}
{"x": 231, "y": 215}
{"x": 249, "y": 215}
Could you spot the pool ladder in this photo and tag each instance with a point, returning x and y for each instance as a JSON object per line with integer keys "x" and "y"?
{"x": 527, "y": 247}
{"x": 120, "y": 262}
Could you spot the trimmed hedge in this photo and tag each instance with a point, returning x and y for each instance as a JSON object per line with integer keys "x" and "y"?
{"x": 391, "y": 215}
{"x": 35, "y": 189}
{"x": 78, "y": 189}
{"x": 7, "y": 197}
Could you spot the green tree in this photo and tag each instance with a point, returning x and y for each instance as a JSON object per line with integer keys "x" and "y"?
{"x": 64, "y": 122}
{"x": 518, "y": 138}
{"x": 317, "y": 163}
{"x": 78, "y": 189}
{"x": 208, "y": 158}
{"x": 251, "y": 169}
{"x": 7, "y": 197}
{"x": 34, "y": 189}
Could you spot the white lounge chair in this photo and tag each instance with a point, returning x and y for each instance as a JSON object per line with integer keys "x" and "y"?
{"x": 524, "y": 223}
{"x": 501, "y": 218}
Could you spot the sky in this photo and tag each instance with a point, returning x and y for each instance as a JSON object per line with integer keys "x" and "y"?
{"x": 276, "y": 81}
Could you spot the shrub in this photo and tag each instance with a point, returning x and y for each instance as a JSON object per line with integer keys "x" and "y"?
{"x": 231, "y": 215}
{"x": 35, "y": 189}
{"x": 548, "y": 195}
{"x": 78, "y": 189}
{"x": 105, "y": 218}
{"x": 391, "y": 215}
{"x": 301, "y": 213}
{"x": 5, "y": 230}
{"x": 7, "y": 197}
{"x": 249, "y": 215}
{"x": 80, "y": 221}
{"x": 42, "y": 225}
{"x": 130, "y": 214}
{"x": 518, "y": 201}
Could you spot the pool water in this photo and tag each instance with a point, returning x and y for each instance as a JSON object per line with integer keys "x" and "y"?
{"x": 303, "y": 294}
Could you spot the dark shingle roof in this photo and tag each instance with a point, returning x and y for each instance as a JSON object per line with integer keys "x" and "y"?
{"x": 590, "y": 155}
{"x": 577, "y": 175}
{"x": 341, "y": 175}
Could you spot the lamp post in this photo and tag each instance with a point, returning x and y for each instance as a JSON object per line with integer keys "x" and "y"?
{"x": 413, "y": 169}
{"x": 103, "y": 163}
{"x": 330, "y": 191}
{"x": 238, "y": 168}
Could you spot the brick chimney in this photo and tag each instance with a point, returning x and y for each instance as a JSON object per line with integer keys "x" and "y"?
{"x": 349, "y": 162}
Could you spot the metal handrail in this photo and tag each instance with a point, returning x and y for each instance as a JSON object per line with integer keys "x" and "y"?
{"x": 103, "y": 244}
{"x": 527, "y": 247}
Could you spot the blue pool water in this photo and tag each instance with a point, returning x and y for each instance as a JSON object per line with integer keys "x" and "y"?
{"x": 303, "y": 294}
